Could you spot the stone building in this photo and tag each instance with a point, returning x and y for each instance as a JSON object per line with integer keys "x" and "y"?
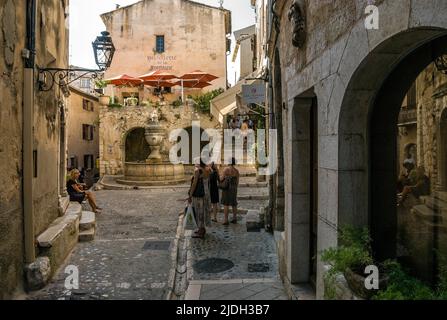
{"x": 32, "y": 143}
{"x": 244, "y": 53}
{"x": 83, "y": 130}
{"x": 181, "y": 36}
{"x": 339, "y": 73}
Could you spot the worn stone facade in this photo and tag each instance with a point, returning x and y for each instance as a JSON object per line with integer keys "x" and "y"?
{"x": 340, "y": 92}
{"x": 51, "y": 48}
{"x": 194, "y": 38}
{"x": 117, "y": 123}
{"x": 84, "y": 110}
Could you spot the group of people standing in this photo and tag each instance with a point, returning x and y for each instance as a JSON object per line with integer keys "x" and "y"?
{"x": 205, "y": 196}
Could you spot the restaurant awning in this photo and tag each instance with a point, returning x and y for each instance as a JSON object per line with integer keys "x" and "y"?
{"x": 227, "y": 102}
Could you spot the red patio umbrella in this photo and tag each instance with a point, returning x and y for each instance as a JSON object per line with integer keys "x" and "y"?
{"x": 157, "y": 75}
{"x": 199, "y": 75}
{"x": 195, "y": 84}
{"x": 124, "y": 80}
{"x": 161, "y": 83}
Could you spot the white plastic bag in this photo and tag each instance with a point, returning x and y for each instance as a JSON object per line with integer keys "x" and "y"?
{"x": 190, "y": 220}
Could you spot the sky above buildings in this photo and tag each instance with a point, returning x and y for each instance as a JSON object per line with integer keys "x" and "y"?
{"x": 85, "y": 23}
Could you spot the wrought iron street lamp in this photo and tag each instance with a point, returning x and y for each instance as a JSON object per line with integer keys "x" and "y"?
{"x": 103, "y": 50}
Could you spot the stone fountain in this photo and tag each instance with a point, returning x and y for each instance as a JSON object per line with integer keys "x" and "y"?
{"x": 157, "y": 170}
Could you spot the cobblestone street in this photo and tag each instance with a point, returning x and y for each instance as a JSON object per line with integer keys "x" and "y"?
{"x": 130, "y": 257}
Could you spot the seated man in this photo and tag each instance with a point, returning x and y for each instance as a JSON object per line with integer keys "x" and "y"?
{"x": 78, "y": 194}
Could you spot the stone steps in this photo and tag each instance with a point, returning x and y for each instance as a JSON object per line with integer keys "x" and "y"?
{"x": 426, "y": 213}
{"x": 87, "y": 235}
{"x": 435, "y": 204}
{"x": 87, "y": 226}
{"x": 441, "y": 195}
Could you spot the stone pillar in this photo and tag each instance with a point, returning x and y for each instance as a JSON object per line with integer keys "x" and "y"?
{"x": 297, "y": 222}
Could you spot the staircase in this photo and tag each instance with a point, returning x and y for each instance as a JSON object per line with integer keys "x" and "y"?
{"x": 87, "y": 226}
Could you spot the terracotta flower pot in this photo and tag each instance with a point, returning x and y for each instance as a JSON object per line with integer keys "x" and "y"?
{"x": 104, "y": 100}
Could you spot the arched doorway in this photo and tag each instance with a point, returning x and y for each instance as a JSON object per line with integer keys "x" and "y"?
{"x": 368, "y": 130}
{"x": 136, "y": 147}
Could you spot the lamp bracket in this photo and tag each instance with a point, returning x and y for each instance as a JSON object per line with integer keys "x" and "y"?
{"x": 48, "y": 77}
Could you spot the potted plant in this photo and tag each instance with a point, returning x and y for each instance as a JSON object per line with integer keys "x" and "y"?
{"x": 350, "y": 259}
{"x": 100, "y": 86}
{"x": 132, "y": 101}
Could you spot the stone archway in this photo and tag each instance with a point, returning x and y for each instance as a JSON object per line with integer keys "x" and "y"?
{"x": 367, "y": 131}
{"x": 136, "y": 148}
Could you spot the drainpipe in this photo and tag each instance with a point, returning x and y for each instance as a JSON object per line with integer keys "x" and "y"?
{"x": 28, "y": 121}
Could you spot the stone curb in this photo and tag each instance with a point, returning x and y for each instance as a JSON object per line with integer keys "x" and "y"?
{"x": 174, "y": 260}
{"x": 107, "y": 186}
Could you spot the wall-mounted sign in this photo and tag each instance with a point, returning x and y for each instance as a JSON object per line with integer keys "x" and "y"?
{"x": 253, "y": 93}
{"x": 161, "y": 62}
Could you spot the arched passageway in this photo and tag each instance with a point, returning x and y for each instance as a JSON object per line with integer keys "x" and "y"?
{"x": 368, "y": 148}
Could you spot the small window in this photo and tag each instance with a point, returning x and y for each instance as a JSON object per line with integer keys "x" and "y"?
{"x": 85, "y": 83}
{"x": 87, "y": 105}
{"x": 160, "y": 44}
{"x": 87, "y": 132}
{"x": 73, "y": 163}
{"x": 89, "y": 161}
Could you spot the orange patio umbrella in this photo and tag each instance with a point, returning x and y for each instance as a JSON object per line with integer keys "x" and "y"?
{"x": 199, "y": 75}
{"x": 196, "y": 79}
{"x": 157, "y": 75}
{"x": 160, "y": 83}
{"x": 123, "y": 80}
{"x": 194, "y": 84}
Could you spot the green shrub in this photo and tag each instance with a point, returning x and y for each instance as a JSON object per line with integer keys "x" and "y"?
{"x": 353, "y": 252}
{"x": 203, "y": 102}
{"x": 116, "y": 105}
{"x": 177, "y": 103}
{"x": 402, "y": 286}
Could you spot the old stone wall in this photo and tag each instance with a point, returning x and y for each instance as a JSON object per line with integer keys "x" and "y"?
{"x": 12, "y": 21}
{"x": 195, "y": 39}
{"x": 77, "y": 117}
{"x": 51, "y": 48}
{"x": 431, "y": 103}
{"x": 342, "y": 65}
{"x": 116, "y": 123}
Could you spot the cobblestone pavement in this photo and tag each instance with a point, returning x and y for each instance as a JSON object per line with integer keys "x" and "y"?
{"x": 232, "y": 263}
{"x": 120, "y": 263}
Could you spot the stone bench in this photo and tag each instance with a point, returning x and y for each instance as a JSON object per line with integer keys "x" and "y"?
{"x": 57, "y": 241}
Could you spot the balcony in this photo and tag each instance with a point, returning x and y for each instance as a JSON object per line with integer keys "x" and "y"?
{"x": 407, "y": 116}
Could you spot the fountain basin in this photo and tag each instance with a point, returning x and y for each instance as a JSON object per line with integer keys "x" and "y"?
{"x": 152, "y": 174}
